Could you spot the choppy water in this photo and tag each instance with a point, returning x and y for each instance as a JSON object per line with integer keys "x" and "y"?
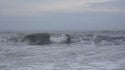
{"x": 81, "y": 54}
{"x": 97, "y": 38}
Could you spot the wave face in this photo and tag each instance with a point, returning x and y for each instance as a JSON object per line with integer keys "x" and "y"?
{"x": 97, "y": 38}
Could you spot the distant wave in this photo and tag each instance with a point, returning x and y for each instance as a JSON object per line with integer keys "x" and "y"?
{"x": 97, "y": 38}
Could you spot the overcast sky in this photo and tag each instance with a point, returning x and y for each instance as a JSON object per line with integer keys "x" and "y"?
{"x": 62, "y": 15}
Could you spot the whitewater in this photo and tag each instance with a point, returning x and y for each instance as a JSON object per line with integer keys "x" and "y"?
{"x": 87, "y": 51}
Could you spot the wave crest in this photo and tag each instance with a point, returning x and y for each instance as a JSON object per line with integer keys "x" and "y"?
{"x": 63, "y": 38}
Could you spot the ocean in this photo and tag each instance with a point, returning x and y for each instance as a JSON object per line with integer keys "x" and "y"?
{"x": 88, "y": 50}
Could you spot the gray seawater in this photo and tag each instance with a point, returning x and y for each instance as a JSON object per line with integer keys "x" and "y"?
{"x": 83, "y": 53}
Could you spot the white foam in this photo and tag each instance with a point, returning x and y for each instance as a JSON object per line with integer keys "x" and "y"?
{"x": 61, "y": 38}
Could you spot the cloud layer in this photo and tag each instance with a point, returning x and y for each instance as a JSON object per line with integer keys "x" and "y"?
{"x": 38, "y": 7}
{"x": 62, "y": 14}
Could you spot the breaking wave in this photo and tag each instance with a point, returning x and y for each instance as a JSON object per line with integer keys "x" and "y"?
{"x": 97, "y": 38}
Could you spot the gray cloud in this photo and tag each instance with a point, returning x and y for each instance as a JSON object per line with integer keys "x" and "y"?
{"x": 17, "y": 17}
{"x": 35, "y": 8}
{"x": 114, "y": 3}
